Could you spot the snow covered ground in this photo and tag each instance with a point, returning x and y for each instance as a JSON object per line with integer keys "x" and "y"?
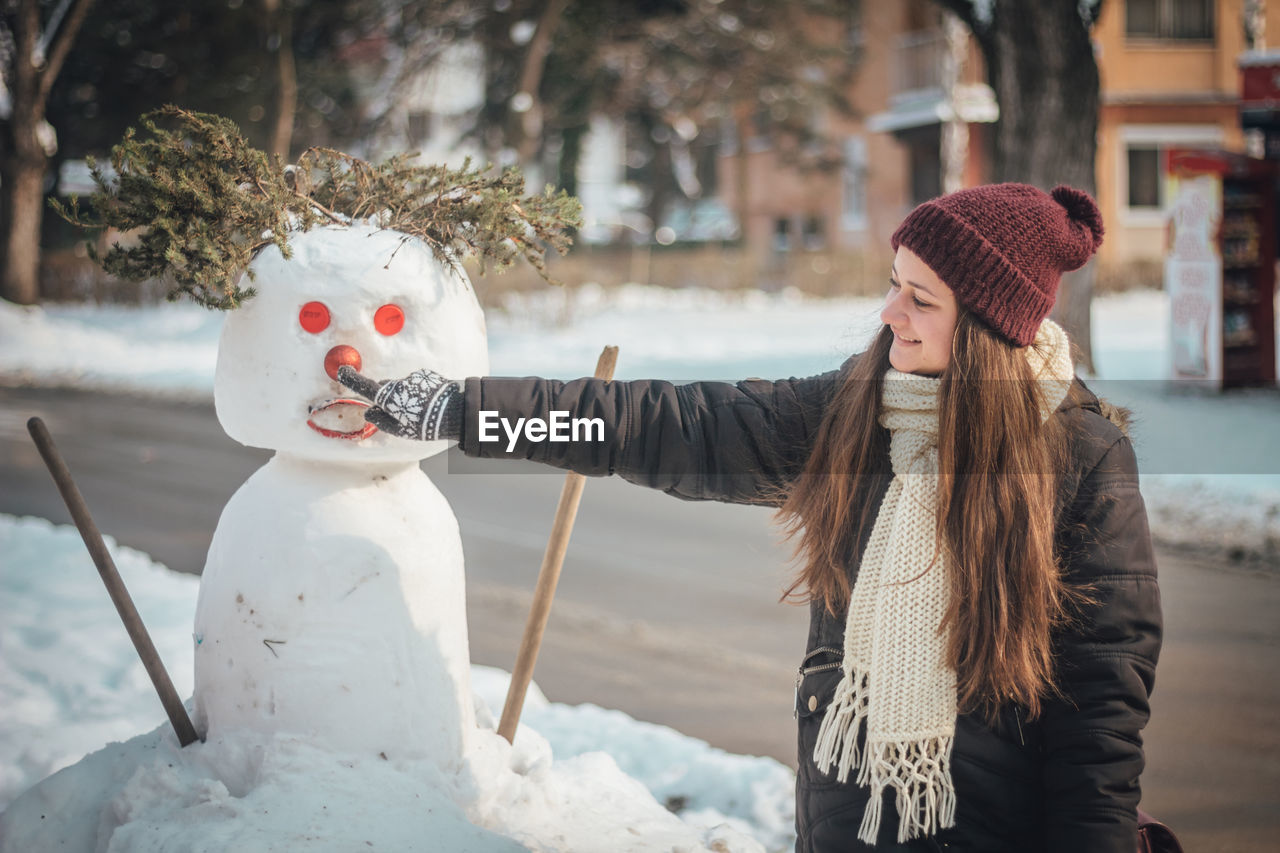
{"x": 1210, "y": 461}
{"x": 70, "y": 682}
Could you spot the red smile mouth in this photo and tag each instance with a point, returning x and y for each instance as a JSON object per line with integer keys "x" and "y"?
{"x": 341, "y": 418}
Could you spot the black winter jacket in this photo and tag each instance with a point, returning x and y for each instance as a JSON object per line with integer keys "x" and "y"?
{"x": 1066, "y": 782}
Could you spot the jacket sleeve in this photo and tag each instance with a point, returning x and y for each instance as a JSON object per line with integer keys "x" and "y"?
{"x": 739, "y": 442}
{"x": 1107, "y": 660}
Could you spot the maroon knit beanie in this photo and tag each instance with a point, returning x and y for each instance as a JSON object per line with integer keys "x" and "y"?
{"x": 1002, "y": 248}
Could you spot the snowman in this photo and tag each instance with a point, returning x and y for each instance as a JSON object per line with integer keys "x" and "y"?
{"x": 332, "y": 603}
{"x": 330, "y": 629}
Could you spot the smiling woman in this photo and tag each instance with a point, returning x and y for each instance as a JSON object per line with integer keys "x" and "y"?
{"x": 921, "y": 310}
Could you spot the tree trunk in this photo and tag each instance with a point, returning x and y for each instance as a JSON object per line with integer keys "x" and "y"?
{"x": 660, "y": 179}
{"x": 23, "y": 190}
{"x": 742, "y": 183}
{"x": 1041, "y": 65}
{"x": 527, "y": 130}
{"x": 25, "y": 158}
{"x": 570, "y": 156}
{"x": 286, "y": 82}
{"x": 24, "y": 201}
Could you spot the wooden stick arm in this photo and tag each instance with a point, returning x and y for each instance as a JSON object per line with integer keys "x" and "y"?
{"x": 71, "y": 496}
{"x": 548, "y": 578}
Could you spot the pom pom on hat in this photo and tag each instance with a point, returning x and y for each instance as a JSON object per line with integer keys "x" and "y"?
{"x": 1002, "y": 248}
{"x": 1085, "y": 214}
{"x": 1080, "y": 208}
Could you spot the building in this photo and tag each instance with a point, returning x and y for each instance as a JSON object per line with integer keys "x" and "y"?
{"x": 1169, "y": 77}
{"x": 923, "y": 105}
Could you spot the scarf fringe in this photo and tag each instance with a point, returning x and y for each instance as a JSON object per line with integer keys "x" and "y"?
{"x": 920, "y": 775}
{"x": 918, "y": 771}
{"x": 837, "y": 743}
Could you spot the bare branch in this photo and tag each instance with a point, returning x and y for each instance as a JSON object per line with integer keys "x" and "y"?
{"x": 535, "y": 63}
{"x": 62, "y": 46}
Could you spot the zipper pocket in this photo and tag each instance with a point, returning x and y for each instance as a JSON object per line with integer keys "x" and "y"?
{"x": 803, "y": 670}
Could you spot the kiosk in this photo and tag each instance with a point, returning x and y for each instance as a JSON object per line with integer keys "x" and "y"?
{"x": 1220, "y": 267}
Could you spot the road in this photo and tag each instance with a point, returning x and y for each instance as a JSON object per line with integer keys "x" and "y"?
{"x": 667, "y": 610}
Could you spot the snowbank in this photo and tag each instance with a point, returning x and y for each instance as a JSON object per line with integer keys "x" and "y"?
{"x": 70, "y": 682}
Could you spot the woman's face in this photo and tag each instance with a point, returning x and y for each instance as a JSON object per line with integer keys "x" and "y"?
{"x": 922, "y": 313}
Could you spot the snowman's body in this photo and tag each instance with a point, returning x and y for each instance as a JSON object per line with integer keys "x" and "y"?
{"x": 314, "y": 622}
{"x": 332, "y": 603}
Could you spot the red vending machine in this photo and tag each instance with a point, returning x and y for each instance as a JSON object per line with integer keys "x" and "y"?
{"x": 1219, "y": 269}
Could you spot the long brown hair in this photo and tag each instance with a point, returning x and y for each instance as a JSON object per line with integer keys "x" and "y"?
{"x": 999, "y": 471}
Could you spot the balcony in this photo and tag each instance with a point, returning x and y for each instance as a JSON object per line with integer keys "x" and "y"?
{"x": 918, "y": 66}
{"x": 924, "y": 89}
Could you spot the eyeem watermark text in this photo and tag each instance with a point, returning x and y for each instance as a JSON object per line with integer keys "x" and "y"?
{"x": 558, "y": 427}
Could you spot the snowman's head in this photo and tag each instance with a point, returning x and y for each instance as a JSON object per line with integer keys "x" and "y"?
{"x": 371, "y": 298}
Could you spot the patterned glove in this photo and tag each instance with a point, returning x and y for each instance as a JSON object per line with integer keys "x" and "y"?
{"x": 422, "y": 405}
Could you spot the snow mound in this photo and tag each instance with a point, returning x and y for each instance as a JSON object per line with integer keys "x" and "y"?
{"x": 70, "y": 681}
{"x": 255, "y": 792}
{"x": 1216, "y": 514}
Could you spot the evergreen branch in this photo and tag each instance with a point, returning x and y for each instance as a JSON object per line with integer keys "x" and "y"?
{"x": 202, "y": 203}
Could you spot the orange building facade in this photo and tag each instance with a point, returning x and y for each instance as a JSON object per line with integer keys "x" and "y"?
{"x": 1169, "y": 77}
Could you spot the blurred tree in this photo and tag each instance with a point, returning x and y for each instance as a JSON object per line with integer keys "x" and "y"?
{"x": 33, "y": 55}
{"x": 131, "y": 56}
{"x": 278, "y": 17}
{"x": 334, "y": 72}
{"x": 1040, "y": 62}
{"x": 271, "y": 66}
{"x": 677, "y": 71}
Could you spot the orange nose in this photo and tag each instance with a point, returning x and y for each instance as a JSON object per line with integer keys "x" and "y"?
{"x": 338, "y": 356}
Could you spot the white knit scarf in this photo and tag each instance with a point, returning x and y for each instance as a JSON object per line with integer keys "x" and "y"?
{"x": 896, "y": 678}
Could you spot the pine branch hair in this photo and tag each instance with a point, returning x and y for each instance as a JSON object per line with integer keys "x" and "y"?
{"x": 199, "y": 203}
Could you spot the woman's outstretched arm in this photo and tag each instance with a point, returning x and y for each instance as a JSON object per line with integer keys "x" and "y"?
{"x": 700, "y": 441}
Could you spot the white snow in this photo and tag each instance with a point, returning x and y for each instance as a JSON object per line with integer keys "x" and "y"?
{"x": 1210, "y": 461}
{"x": 70, "y": 682}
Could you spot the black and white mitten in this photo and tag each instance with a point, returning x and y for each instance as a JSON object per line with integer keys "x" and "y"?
{"x": 423, "y": 405}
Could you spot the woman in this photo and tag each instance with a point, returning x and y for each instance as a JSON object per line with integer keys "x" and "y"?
{"x": 985, "y": 620}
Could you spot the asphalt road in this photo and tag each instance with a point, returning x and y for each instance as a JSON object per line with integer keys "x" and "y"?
{"x": 668, "y": 610}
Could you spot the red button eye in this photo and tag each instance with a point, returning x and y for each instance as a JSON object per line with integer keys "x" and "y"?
{"x": 314, "y": 317}
{"x": 388, "y": 319}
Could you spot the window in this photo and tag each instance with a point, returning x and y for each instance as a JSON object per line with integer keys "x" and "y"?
{"x": 419, "y": 127}
{"x": 925, "y": 163}
{"x": 855, "y": 36}
{"x": 1188, "y": 20}
{"x": 813, "y": 233}
{"x": 1139, "y": 175}
{"x": 1144, "y": 176}
{"x": 782, "y": 235}
{"x": 853, "y": 175}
